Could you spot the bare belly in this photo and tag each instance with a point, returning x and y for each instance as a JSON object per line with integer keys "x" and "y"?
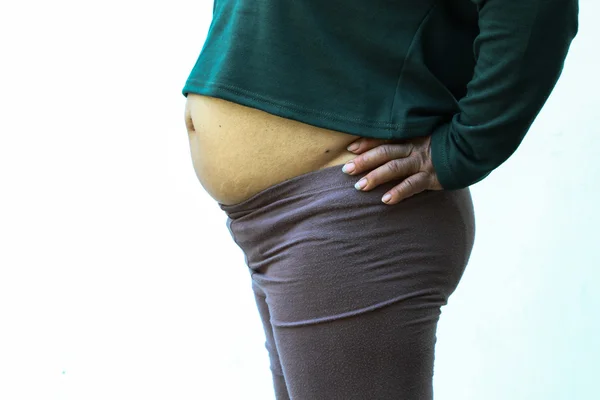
{"x": 238, "y": 151}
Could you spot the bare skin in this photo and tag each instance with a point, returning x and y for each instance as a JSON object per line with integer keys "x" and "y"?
{"x": 407, "y": 161}
{"x": 238, "y": 151}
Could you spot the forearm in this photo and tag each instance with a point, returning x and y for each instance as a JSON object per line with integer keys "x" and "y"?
{"x": 520, "y": 53}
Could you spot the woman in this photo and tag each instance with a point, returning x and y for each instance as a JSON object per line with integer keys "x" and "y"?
{"x": 434, "y": 95}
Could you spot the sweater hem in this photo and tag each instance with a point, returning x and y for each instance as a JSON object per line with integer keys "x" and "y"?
{"x": 352, "y": 125}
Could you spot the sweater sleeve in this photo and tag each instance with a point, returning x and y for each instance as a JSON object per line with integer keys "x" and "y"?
{"x": 520, "y": 52}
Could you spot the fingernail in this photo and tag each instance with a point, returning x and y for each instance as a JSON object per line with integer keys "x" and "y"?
{"x": 386, "y": 198}
{"x": 352, "y": 147}
{"x": 361, "y": 184}
{"x": 348, "y": 167}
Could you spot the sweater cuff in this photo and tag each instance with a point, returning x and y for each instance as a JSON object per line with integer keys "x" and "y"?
{"x": 440, "y": 141}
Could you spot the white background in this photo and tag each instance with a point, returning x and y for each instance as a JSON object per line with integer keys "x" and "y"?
{"x": 118, "y": 277}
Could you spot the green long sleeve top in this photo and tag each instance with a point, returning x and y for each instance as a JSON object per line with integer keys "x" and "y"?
{"x": 473, "y": 74}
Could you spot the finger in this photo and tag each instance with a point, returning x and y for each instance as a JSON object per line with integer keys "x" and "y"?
{"x": 394, "y": 170}
{"x": 379, "y": 156}
{"x": 410, "y": 186}
{"x": 364, "y": 144}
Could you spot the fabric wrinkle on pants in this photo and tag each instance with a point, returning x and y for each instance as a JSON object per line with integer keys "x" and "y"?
{"x": 349, "y": 289}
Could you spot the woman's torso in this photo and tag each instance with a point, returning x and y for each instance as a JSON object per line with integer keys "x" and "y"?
{"x": 238, "y": 151}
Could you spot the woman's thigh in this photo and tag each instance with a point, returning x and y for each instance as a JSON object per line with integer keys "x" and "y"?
{"x": 383, "y": 354}
{"x": 353, "y": 287}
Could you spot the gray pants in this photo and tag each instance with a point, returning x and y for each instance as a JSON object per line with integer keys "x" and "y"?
{"x": 349, "y": 289}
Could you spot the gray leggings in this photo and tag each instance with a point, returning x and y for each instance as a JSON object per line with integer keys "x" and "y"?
{"x": 349, "y": 289}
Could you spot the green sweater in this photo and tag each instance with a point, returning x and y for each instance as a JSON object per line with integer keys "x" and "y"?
{"x": 474, "y": 74}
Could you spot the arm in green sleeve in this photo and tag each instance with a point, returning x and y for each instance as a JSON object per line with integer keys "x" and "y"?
{"x": 520, "y": 53}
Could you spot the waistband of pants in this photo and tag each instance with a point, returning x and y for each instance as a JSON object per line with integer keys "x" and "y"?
{"x": 309, "y": 183}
